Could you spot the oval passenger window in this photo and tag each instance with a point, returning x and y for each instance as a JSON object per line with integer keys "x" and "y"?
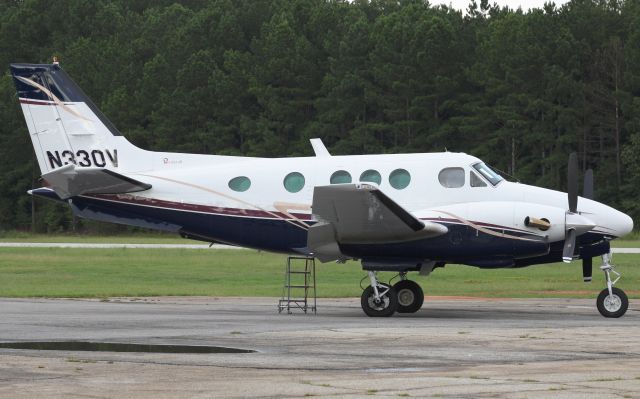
{"x": 451, "y": 177}
{"x": 399, "y": 179}
{"x": 294, "y": 182}
{"x": 340, "y": 177}
{"x": 372, "y": 176}
{"x": 240, "y": 183}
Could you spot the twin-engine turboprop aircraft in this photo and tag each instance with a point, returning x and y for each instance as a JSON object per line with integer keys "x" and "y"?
{"x": 402, "y": 213}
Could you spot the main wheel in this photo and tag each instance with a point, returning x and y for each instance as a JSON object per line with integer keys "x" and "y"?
{"x": 612, "y": 305}
{"x": 410, "y": 296}
{"x": 385, "y": 306}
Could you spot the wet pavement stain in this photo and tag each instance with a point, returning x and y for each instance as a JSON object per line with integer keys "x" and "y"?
{"x": 118, "y": 347}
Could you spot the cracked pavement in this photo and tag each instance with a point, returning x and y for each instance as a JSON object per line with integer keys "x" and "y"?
{"x": 453, "y": 347}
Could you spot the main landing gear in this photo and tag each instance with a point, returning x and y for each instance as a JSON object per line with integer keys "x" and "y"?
{"x": 612, "y": 301}
{"x": 383, "y": 300}
{"x": 410, "y": 295}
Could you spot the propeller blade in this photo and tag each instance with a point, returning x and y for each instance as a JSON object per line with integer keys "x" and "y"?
{"x": 569, "y": 246}
{"x": 588, "y": 184}
{"x": 572, "y": 182}
{"x": 587, "y": 269}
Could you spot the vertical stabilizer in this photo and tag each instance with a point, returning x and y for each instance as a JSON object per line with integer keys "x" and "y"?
{"x": 65, "y": 126}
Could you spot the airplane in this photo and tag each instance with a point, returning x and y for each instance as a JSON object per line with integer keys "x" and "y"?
{"x": 395, "y": 212}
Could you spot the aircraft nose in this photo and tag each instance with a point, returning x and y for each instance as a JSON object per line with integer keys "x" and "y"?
{"x": 619, "y": 223}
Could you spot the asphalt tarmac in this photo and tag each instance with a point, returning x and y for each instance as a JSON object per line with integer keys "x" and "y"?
{"x": 453, "y": 347}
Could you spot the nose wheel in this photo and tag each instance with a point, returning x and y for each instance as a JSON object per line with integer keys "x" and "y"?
{"x": 612, "y": 304}
{"x": 612, "y": 301}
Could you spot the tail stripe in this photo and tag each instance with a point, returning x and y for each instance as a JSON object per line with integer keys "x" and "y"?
{"x": 56, "y": 100}
{"x": 38, "y": 102}
{"x": 38, "y": 83}
{"x": 65, "y": 126}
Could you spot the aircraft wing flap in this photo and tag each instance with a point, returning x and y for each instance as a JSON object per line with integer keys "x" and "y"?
{"x": 362, "y": 214}
{"x": 69, "y": 181}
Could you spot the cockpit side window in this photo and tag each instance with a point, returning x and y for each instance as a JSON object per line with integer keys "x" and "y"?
{"x": 488, "y": 173}
{"x": 475, "y": 180}
{"x": 451, "y": 177}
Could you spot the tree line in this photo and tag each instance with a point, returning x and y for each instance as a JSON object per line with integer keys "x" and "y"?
{"x": 521, "y": 90}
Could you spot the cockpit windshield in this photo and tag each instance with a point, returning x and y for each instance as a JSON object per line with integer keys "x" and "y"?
{"x": 488, "y": 173}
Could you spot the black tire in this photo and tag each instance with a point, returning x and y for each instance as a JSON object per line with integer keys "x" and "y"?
{"x": 387, "y": 305}
{"x": 615, "y": 308}
{"x": 410, "y": 296}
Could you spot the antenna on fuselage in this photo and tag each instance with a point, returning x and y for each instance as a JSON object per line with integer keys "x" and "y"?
{"x": 319, "y": 149}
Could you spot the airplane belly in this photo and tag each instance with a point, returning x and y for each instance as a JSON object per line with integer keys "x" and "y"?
{"x": 246, "y": 228}
{"x": 486, "y": 234}
{"x": 462, "y": 244}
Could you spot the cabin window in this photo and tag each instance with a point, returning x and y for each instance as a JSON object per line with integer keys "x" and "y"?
{"x": 372, "y": 176}
{"x": 488, "y": 173}
{"x": 399, "y": 179}
{"x": 293, "y": 182}
{"x": 240, "y": 183}
{"x": 475, "y": 180}
{"x": 451, "y": 177}
{"x": 340, "y": 177}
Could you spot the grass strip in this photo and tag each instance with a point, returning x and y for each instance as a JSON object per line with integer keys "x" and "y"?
{"x": 630, "y": 241}
{"x": 99, "y": 273}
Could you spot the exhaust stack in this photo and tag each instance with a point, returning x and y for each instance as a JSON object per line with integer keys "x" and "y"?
{"x": 541, "y": 224}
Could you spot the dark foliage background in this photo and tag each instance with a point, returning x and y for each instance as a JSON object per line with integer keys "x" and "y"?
{"x": 519, "y": 90}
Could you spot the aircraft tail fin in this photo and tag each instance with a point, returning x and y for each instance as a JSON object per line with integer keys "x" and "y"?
{"x": 65, "y": 126}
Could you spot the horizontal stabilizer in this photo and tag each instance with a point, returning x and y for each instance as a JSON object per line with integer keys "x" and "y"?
{"x": 69, "y": 181}
{"x": 361, "y": 214}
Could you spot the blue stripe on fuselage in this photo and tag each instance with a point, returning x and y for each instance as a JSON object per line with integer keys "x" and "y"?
{"x": 462, "y": 244}
{"x": 259, "y": 233}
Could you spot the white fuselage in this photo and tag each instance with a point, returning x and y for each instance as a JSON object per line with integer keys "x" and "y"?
{"x": 204, "y": 180}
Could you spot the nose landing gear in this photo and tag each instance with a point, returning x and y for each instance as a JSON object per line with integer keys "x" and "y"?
{"x": 612, "y": 301}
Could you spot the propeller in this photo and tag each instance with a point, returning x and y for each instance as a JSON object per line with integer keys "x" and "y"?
{"x": 572, "y": 182}
{"x": 587, "y": 269}
{"x": 575, "y": 223}
{"x": 588, "y": 184}
{"x": 572, "y": 193}
{"x": 569, "y": 245}
{"x": 587, "y": 263}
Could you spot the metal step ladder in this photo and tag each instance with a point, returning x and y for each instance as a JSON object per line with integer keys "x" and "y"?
{"x": 299, "y": 291}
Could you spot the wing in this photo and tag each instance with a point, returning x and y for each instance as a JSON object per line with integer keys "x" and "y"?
{"x": 69, "y": 181}
{"x": 361, "y": 214}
